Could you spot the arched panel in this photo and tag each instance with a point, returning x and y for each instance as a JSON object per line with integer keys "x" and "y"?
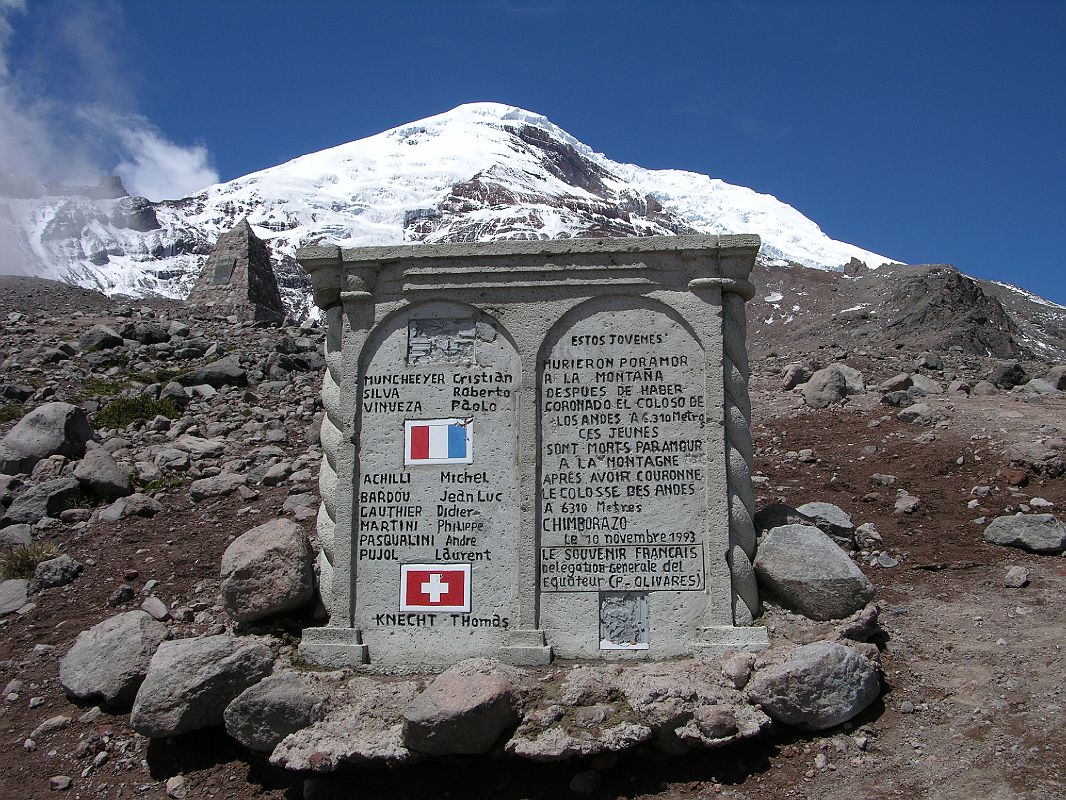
{"x": 623, "y": 475}
{"x": 436, "y": 487}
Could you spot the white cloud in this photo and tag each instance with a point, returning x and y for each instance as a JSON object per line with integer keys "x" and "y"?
{"x": 149, "y": 163}
{"x": 49, "y": 140}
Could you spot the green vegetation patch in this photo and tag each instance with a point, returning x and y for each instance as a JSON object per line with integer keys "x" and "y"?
{"x": 121, "y": 411}
{"x": 10, "y": 412}
{"x": 21, "y": 562}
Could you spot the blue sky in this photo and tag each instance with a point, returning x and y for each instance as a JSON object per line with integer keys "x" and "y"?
{"x": 927, "y": 131}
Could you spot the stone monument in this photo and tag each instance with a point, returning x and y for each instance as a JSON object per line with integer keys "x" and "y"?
{"x": 535, "y": 448}
{"x": 238, "y": 278}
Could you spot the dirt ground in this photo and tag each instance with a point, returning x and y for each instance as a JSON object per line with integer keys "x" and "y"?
{"x": 973, "y": 704}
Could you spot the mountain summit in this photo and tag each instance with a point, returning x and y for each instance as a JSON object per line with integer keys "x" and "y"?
{"x": 479, "y": 172}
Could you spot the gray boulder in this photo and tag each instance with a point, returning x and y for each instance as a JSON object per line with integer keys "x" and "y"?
{"x": 224, "y": 372}
{"x": 145, "y": 332}
{"x": 101, "y": 476}
{"x": 826, "y": 387}
{"x": 1007, "y": 375}
{"x": 14, "y": 594}
{"x": 919, "y": 414}
{"x": 1037, "y": 533}
{"x": 921, "y": 385}
{"x": 983, "y": 389}
{"x": 463, "y": 711}
{"x": 267, "y": 571}
{"x": 191, "y": 681}
{"x": 47, "y": 499}
{"x": 897, "y": 383}
{"x": 930, "y": 361}
{"x": 821, "y": 685}
{"x": 15, "y": 536}
{"x": 794, "y": 375}
{"x": 99, "y": 337}
{"x": 807, "y": 570}
{"x": 221, "y": 485}
{"x": 136, "y": 505}
{"x": 832, "y": 521}
{"x": 55, "y": 572}
{"x": 1039, "y": 386}
{"x": 1056, "y": 376}
{"x": 108, "y": 662}
{"x": 264, "y": 714}
{"x": 50, "y": 429}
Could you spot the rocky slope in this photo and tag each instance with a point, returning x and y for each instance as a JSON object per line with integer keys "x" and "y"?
{"x": 213, "y": 427}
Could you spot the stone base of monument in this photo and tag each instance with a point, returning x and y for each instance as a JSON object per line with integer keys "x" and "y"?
{"x": 718, "y": 640}
{"x": 526, "y": 649}
{"x": 333, "y": 647}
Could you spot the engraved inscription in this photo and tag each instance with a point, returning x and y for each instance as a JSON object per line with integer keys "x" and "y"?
{"x": 622, "y": 457}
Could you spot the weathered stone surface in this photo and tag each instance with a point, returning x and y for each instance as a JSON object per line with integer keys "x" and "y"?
{"x": 99, "y": 337}
{"x": 1037, "y": 533}
{"x": 983, "y": 389}
{"x": 825, "y": 387}
{"x": 560, "y": 744}
{"x": 14, "y": 594}
{"x": 267, "y": 571}
{"x": 362, "y": 724}
{"x": 50, "y": 429}
{"x": 101, "y": 476}
{"x": 1056, "y": 376}
{"x": 897, "y": 383}
{"x": 464, "y": 710}
{"x": 46, "y": 499}
{"x": 803, "y": 567}
{"x": 224, "y": 372}
{"x": 264, "y": 714}
{"x": 821, "y": 685}
{"x": 831, "y": 520}
{"x": 929, "y": 361}
{"x": 108, "y": 662}
{"x": 919, "y": 414}
{"x": 191, "y": 681}
{"x": 1046, "y": 457}
{"x": 15, "y": 536}
{"x": 54, "y": 572}
{"x": 794, "y": 375}
{"x": 221, "y": 485}
{"x": 136, "y": 505}
{"x": 1007, "y": 375}
{"x": 921, "y": 385}
{"x": 777, "y": 514}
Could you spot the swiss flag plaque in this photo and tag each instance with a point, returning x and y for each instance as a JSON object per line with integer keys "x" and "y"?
{"x": 435, "y": 587}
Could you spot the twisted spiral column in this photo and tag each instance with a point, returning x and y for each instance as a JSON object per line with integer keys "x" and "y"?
{"x": 332, "y": 440}
{"x": 739, "y": 455}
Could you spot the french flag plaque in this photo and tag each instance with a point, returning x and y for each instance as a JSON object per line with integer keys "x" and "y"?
{"x": 435, "y": 587}
{"x": 438, "y": 441}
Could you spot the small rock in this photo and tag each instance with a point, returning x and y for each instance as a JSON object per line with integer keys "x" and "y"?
{"x": 14, "y": 594}
{"x": 175, "y": 787}
{"x": 50, "y": 725}
{"x": 155, "y": 607}
{"x": 267, "y": 571}
{"x": 60, "y": 783}
{"x": 906, "y": 503}
{"x": 54, "y": 572}
{"x": 1016, "y": 578}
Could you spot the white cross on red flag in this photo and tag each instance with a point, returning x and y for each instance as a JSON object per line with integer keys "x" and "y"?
{"x": 435, "y": 587}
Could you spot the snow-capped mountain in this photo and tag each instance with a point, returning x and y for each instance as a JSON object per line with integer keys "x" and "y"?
{"x": 479, "y": 172}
